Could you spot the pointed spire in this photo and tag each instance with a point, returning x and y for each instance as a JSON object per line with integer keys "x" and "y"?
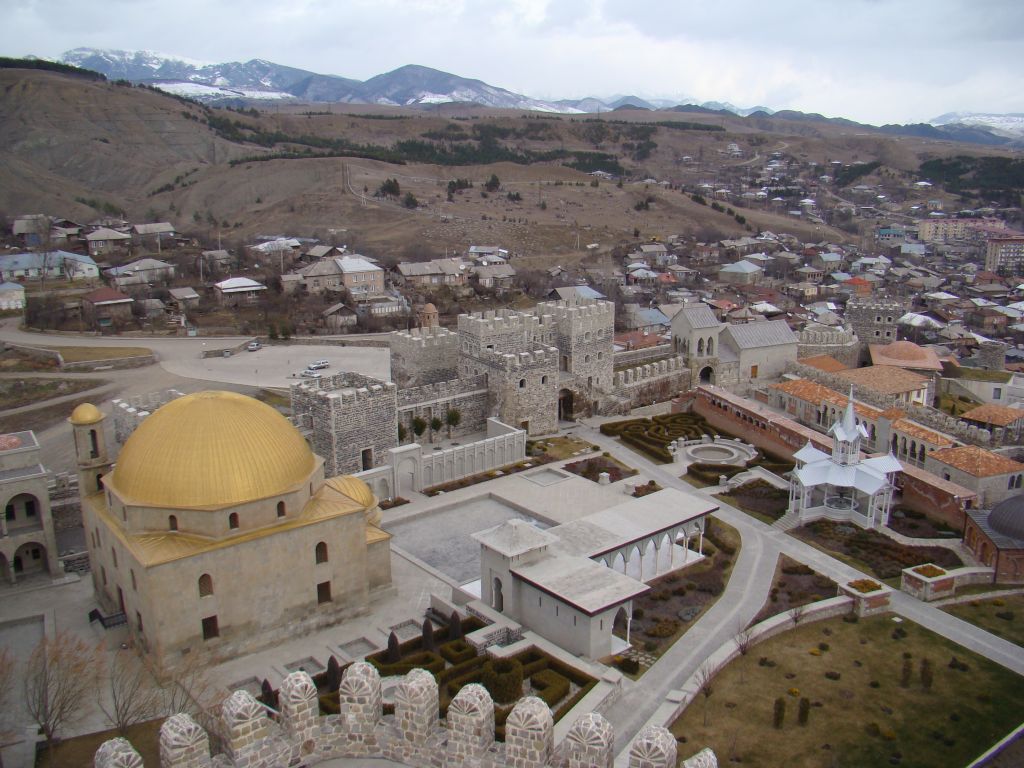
{"x": 850, "y": 416}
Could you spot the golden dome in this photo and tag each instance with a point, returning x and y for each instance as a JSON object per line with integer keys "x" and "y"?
{"x": 354, "y": 488}
{"x": 85, "y": 414}
{"x": 211, "y": 449}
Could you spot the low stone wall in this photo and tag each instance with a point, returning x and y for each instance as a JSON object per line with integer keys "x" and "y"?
{"x": 36, "y": 353}
{"x": 413, "y": 735}
{"x": 229, "y": 350}
{"x": 66, "y": 514}
{"x": 115, "y": 363}
{"x": 469, "y": 396}
{"x": 634, "y": 357}
{"x": 464, "y": 460}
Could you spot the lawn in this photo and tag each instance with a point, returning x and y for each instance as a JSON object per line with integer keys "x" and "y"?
{"x": 676, "y": 600}
{"x": 1002, "y": 616}
{"x": 90, "y": 354}
{"x": 80, "y": 751}
{"x": 861, "y": 714}
{"x": 871, "y": 551}
{"x": 13, "y": 361}
{"x": 15, "y": 393}
{"x": 919, "y": 525}
{"x": 40, "y": 418}
{"x": 794, "y": 584}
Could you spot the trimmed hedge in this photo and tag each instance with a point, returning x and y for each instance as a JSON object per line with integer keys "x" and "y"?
{"x": 456, "y": 651}
{"x": 503, "y": 679}
{"x": 707, "y": 472}
{"x": 428, "y": 660}
{"x": 550, "y": 686}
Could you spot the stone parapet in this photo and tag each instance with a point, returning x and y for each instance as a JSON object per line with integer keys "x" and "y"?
{"x": 414, "y": 735}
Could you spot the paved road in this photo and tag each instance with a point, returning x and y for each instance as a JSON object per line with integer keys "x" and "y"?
{"x": 743, "y": 597}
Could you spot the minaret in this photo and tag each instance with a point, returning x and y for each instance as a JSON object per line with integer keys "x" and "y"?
{"x": 846, "y": 435}
{"x": 90, "y": 448}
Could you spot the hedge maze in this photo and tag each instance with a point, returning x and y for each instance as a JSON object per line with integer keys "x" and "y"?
{"x": 653, "y": 435}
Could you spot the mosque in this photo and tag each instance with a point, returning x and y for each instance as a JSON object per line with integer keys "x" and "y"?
{"x": 217, "y": 533}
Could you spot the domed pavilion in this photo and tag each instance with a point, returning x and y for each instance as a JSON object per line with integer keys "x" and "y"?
{"x": 216, "y": 533}
{"x": 996, "y": 537}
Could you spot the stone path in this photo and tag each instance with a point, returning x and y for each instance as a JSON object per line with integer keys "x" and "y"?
{"x": 744, "y": 595}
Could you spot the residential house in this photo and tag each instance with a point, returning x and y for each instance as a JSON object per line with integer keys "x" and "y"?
{"x": 338, "y": 318}
{"x": 452, "y": 272}
{"x": 574, "y": 293}
{"x": 141, "y": 272}
{"x": 158, "y": 234}
{"x": 31, "y": 230}
{"x": 106, "y": 307}
{"x": 362, "y": 278}
{"x": 238, "y": 290}
{"x": 50, "y": 264}
{"x": 183, "y": 299}
{"x": 500, "y": 277}
{"x": 320, "y": 276}
{"x": 740, "y": 273}
{"x": 12, "y": 296}
{"x": 105, "y": 240}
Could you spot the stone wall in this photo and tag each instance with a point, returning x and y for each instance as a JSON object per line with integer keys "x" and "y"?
{"x": 524, "y": 387}
{"x": 424, "y": 356}
{"x": 465, "y": 460}
{"x": 634, "y": 357}
{"x": 840, "y": 343}
{"x": 583, "y": 337}
{"x": 347, "y": 414}
{"x": 469, "y": 396}
{"x": 648, "y": 383}
{"x": 129, "y": 412}
{"x": 413, "y": 735}
{"x": 926, "y": 417}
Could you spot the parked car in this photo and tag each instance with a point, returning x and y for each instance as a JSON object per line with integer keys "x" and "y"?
{"x": 253, "y": 346}
{"x": 316, "y": 365}
{"x": 310, "y": 375}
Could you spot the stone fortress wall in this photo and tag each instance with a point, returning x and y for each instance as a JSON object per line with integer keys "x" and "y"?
{"x": 424, "y": 356}
{"x": 346, "y": 414}
{"x": 469, "y": 396}
{"x": 129, "y": 412}
{"x": 840, "y": 343}
{"x": 254, "y": 737}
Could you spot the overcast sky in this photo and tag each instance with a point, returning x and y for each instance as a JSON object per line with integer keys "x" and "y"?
{"x": 871, "y": 60}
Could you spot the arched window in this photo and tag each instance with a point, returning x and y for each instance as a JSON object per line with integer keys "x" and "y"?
{"x": 321, "y": 552}
{"x": 543, "y": 379}
{"x": 205, "y": 585}
{"x": 280, "y": 509}
{"x": 233, "y": 520}
{"x": 700, "y": 347}
{"x": 94, "y": 446}
{"x": 172, "y": 522}
{"x": 522, "y": 383}
{"x": 711, "y": 347}
{"x": 1018, "y": 483}
{"x": 1009, "y": 484}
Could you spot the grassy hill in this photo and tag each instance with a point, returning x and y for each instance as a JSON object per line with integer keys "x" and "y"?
{"x": 74, "y": 147}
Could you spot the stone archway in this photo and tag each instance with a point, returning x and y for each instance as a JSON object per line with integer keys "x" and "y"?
{"x": 565, "y": 405}
{"x": 706, "y": 375}
{"x": 620, "y": 625}
{"x": 30, "y": 558}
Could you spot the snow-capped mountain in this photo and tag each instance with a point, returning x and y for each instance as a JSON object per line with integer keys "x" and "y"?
{"x": 1010, "y": 125}
{"x": 259, "y": 79}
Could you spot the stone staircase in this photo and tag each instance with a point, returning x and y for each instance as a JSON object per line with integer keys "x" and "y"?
{"x": 787, "y": 522}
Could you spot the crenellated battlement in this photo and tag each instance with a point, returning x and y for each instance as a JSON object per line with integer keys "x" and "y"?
{"x": 521, "y": 361}
{"x": 413, "y": 735}
{"x": 648, "y": 371}
{"x": 424, "y": 338}
{"x": 347, "y": 385}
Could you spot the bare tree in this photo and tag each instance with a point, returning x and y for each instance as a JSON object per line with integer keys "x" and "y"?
{"x": 744, "y": 639}
{"x": 705, "y": 675}
{"x": 133, "y": 697}
{"x": 191, "y": 691}
{"x": 796, "y": 613}
{"x": 58, "y": 675}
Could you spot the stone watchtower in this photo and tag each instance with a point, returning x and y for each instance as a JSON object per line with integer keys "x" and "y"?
{"x": 583, "y": 332}
{"x": 875, "y": 319}
{"x": 91, "y": 451}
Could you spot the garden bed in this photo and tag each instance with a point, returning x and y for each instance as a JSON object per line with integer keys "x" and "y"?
{"x": 592, "y": 468}
{"x": 652, "y": 436}
{"x": 872, "y": 551}
{"x": 676, "y": 600}
{"x": 760, "y": 499}
{"x": 862, "y": 708}
{"x": 558, "y": 448}
{"x": 483, "y": 477}
{"x": 794, "y": 585}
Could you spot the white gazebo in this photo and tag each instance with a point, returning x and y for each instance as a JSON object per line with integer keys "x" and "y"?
{"x": 842, "y": 486}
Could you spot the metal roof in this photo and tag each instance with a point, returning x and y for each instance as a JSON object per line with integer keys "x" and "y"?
{"x": 767, "y": 334}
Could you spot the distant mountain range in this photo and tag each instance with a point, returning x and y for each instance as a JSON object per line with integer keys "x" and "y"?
{"x": 416, "y": 86}
{"x": 407, "y": 86}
